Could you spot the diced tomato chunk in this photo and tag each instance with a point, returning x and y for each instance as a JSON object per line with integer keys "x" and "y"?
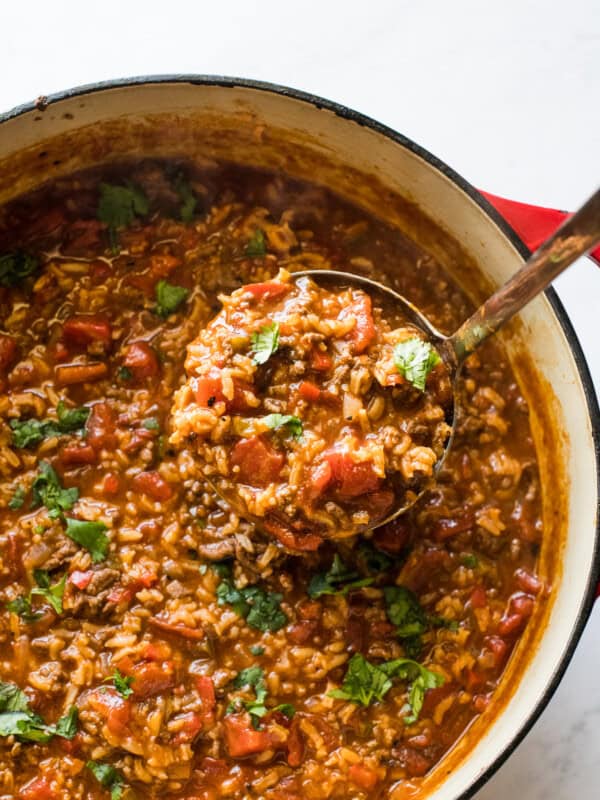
{"x": 209, "y": 389}
{"x": 320, "y": 361}
{"x": 257, "y": 462}
{"x": 101, "y": 427}
{"x": 38, "y": 789}
{"x": 81, "y": 579}
{"x": 83, "y": 329}
{"x": 116, "y": 710}
{"x": 363, "y": 777}
{"x": 363, "y": 333}
{"x": 142, "y": 360}
{"x": 319, "y": 479}
{"x": 153, "y": 485}
{"x": 351, "y": 478}
{"x": 8, "y": 352}
{"x": 241, "y": 738}
{"x": 191, "y": 727}
{"x": 302, "y": 540}
{"x": 206, "y": 690}
{"x": 309, "y": 391}
{"x": 75, "y": 455}
{"x": 157, "y": 651}
{"x": 478, "y": 597}
{"x": 162, "y": 265}
{"x": 295, "y": 744}
{"x": 393, "y": 537}
{"x": 111, "y": 484}
{"x": 176, "y": 628}
{"x": 149, "y": 677}
{"x": 266, "y": 291}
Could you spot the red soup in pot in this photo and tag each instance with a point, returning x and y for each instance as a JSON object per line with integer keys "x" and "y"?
{"x": 152, "y": 642}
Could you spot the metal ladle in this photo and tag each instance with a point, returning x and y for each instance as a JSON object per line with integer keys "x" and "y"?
{"x": 578, "y": 234}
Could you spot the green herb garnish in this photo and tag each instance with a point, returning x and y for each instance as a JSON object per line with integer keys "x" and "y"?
{"x": 109, "y": 777}
{"x": 253, "y": 678}
{"x": 18, "y": 498}
{"x": 124, "y": 374}
{"x": 337, "y": 580}
{"x": 256, "y": 245}
{"x": 257, "y": 650}
{"x": 47, "y": 490}
{"x": 53, "y": 594}
{"x": 470, "y": 560}
{"x": 151, "y": 424}
{"x": 118, "y": 207}
{"x": 169, "y": 297}
{"x": 410, "y": 618}
{"x": 414, "y": 359}
{"x": 260, "y": 609}
{"x": 29, "y": 432}
{"x": 365, "y": 682}
{"x": 71, "y": 419}
{"x": 17, "y": 718}
{"x": 265, "y": 342}
{"x": 90, "y": 535}
{"x": 21, "y": 606}
{"x": 189, "y": 201}
{"x": 16, "y": 266}
{"x": 122, "y": 684}
{"x": 293, "y": 425}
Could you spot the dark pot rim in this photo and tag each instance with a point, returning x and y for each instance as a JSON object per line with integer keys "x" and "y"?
{"x": 357, "y": 118}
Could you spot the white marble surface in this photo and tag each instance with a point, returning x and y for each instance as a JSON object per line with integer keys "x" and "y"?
{"x": 507, "y": 93}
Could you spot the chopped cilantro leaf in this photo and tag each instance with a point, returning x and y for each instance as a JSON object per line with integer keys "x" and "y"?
{"x": 18, "y": 498}
{"x": 124, "y": 374}
{"x": 169, "y": 297}
{"x": 293, "y": 425}
{"x": 16, "y": 266}
{"x": 122, "y": 684}
{"x": 256, "y": 245}
{"x": 257, "y": 650}
{"x": 71, "y": 419}
{"x": 21, "y": 606}
{"x": 151, "y": 424}
{"x": 365, "y": 682}
{"x": 109, "y": 777}
{"x": 420, "y": 680}
{"x": 189, "y": 201}
{"x": 66, "y": 727}
{"x": 286, "y": 708}
{"x": 253, "y": 678}
{"x": 47, "y": 490}
{"x": 12, "y": 698}
{"x": 372, "y": 559}
{"x": 90, "y": 535}
{"x": 29, "y": 432}
{"x": 337, "y": 580}
{"x": 414, "y": 359}
{"x": 265, "y": 342}
{"x": 260, "y": 609}
{"x": 118, "y": 207}
{"x": 53, "y": 594}
{"x": 470, "y": 560}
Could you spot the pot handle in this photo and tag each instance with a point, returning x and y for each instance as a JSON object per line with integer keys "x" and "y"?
{"x": 533, "y": 224}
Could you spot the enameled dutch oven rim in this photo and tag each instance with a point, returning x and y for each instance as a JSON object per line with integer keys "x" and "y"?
{"x": 476, "y": 196}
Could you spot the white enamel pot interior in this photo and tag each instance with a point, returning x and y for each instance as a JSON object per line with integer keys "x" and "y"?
{"x": 208, "y": 117}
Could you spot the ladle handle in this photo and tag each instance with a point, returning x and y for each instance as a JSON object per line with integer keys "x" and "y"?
{"x": 574, "y": 238}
